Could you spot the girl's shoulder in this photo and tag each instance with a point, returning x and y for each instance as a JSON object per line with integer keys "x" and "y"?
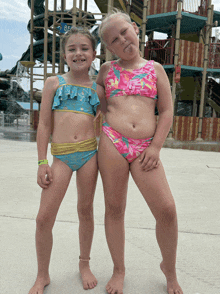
{"x": 157, "y": 65}
{"x": 159, "y": 70}
{"x": 50, "y": 87}
{"x": 52, "y": 83}
{"x": 106, "y": 66}
{"x": 100, "y": 90}
{"x": 104, "y": 69}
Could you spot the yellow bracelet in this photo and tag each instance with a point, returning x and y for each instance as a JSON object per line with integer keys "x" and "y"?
{"x": 43, "y": 161}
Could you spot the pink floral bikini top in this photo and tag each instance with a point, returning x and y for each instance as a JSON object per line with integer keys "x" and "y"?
{"x": 122, "y": 82}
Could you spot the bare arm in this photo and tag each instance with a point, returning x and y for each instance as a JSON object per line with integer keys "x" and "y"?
{"x": 102, "y": 74}
{"x": 164, "y": 105}
{"x": 101, "y": 84}
{"x": 150, "y": 158}
{"x": 101, "y": 94}
{"x": 44, "y": 130}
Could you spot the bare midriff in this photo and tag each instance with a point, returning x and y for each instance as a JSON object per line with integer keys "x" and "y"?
{"x": 132, "y": 116}
{"x": 70, "y": 127}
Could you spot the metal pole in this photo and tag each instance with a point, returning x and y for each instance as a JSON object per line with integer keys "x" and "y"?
{"x": 176, "y": 55}
{"x": 108, "y": 53}
{"x": 128, "y": 6}
{"x": 110, "y": 5}
{"x": 80, "y": 13}
{"x": 54, "y": 37}
{"x": 144, "y": 22}
{"x": 31, "y": 69}
{"x": 63, "y": 5}
{"x": 210, "y": 31}
{"x": 85, "y": 5}
{"x": 74, "y": 14}
{"x": 205, "y": 65}
{"x": 45, "y": 39}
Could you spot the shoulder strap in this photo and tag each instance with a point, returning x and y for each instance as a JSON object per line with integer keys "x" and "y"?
{"x": 94, "y": 85}
{"x": 61, "y": 80}
{"x": 114, "y": 62}
{"x": 150, "y": 62}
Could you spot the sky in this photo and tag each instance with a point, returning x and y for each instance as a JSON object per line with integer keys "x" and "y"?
{"x": 14, "y": 36}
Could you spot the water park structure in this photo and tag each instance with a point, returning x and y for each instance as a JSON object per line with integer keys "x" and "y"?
{"x": 189, "y": 53}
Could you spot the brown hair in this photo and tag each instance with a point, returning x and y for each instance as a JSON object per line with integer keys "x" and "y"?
{"x": 75, "y": 31}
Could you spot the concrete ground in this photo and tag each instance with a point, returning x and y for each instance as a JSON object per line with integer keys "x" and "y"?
{"x": 194, "y": 177}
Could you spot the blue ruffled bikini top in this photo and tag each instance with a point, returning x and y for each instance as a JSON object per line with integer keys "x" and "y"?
{"x": 75, "y": 98}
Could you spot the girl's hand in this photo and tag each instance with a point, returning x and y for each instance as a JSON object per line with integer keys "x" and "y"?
{"x": 150, "y": 158}
{"x": 44, "y": 176}
{"x": 97, "y": 115}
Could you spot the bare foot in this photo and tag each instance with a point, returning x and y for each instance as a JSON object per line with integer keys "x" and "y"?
{"x": 39, "y": 285}
{"x": 173, "y": 286}
{"x": 88, "y": 279}
{"x": 116, "y": 283}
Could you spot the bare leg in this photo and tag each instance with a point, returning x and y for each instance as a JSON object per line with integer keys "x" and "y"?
{"x": 86, "y": 184}
{"x": 155, "y": 189}
{"x": 51, "y": 199}
{"x": 114, "y": 171}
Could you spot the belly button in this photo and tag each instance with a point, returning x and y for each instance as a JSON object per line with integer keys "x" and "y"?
{"x": 75, "y": 137}
{"x": 133, "y": 126}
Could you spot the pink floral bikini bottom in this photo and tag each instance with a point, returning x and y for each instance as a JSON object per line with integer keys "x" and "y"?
{"x": 129, "y": 148}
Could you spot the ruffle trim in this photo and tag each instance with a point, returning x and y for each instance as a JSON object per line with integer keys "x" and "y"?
{"x": 80, "y": 94}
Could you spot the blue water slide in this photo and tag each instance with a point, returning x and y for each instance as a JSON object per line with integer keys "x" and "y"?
{"x": 38, "y": 46}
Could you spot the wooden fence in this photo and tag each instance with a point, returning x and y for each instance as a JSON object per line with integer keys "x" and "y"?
{"x": 154, "y": 7}
{"x": 163, "y": 6}
{"x": 214, "y": 55}
{"x": 196, "y": 6}
{"x": 185, "y": 128}
{"x": 191, "y": 53}
{"x": 161, "y": 51}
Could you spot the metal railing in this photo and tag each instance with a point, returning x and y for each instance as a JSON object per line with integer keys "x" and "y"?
{"x": 161, "y": 51}
{"x": 13, "y": 120}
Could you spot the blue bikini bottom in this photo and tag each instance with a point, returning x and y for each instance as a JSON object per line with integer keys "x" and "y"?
{"x": 75, "y": 155}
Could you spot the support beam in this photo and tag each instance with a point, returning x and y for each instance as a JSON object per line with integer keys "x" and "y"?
{"x": 63, "y": 7}
{"x": 85, "y": 6}
{"x": 54, "y": 37}
{"x": 80, "y": 14}
{"x": 31, "y": 69}
{"x": 205, "y": 66}
{"x": 128, "y": 6}
{"x": 45, "y": 39}
{"x": 110, "y": 6}
{"x": 74, "y": 14}
{"x": 176, "y": 55}
{"x": 144, "y": 22}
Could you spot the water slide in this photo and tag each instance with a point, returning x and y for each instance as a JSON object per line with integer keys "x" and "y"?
{"x": 6, "y": 95}
{"x": 38, "y": 46}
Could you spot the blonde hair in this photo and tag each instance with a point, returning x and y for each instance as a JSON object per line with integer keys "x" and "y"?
{"x": 75, "y": 31}
{"x": 114, "y": 13}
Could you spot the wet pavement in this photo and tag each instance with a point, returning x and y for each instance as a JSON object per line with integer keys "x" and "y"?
{"x": 194, "y": 178}
{"x": 20, "y": 133}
